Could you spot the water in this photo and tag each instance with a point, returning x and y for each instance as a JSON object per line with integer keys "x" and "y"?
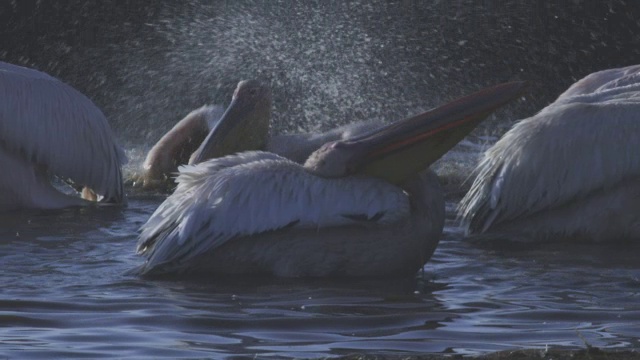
{"x": 64, "y": 288}
{"x": 66, "y": 294}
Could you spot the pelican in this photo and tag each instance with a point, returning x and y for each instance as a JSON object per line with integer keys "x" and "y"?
{"x": 48, "y": 128}
{"x": 566, "y": 173}
{"x": 182, "y": 143}
{"x": 364, "y": 206}
{"x": 176, "y": 147}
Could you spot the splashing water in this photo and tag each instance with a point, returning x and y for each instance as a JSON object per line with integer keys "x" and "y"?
{"x": 328, "y": 63}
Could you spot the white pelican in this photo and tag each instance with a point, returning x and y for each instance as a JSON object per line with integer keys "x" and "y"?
{"x": 357, "y": 207}
{"x": 48, "y": 128}
{"x": 176, "y": 146}
{"x": 180, "y": 145}
{"x": 569, "y": 172}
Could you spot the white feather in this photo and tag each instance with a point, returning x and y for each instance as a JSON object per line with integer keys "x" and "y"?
{"x": 49, "y": 123}
{"x": 252, "y": 193}
{"x": 584, "y": 142}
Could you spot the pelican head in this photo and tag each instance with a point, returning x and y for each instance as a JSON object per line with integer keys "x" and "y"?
{"x": 393, "y": 152}
{"x": 243, "y": 126}
{"x": 397, "y": 151}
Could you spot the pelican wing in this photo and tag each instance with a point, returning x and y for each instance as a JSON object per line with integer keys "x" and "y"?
{"x": 252, "y": 193}
{"x": 574, "y": 146}
{"x": 54, "y": 125}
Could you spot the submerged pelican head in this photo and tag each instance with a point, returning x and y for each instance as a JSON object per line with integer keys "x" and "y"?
{"x": 243, "y": 126}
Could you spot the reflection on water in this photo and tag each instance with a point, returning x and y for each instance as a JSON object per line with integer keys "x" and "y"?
{"x": 65, "y": 293}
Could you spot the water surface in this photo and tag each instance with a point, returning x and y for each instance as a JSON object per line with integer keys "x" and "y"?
{"x": 65, "y": 294}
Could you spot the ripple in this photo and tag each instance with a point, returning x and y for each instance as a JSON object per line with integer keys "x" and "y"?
{"x": 67, "y": 296}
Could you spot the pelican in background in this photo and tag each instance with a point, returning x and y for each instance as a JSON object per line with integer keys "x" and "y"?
{"x": 570, "y": 172}
{"x": 181, "y": 144}
{"x": 364, "y": 206}
{"x": 48, "y": 128}
{"x": 176, "y": 147}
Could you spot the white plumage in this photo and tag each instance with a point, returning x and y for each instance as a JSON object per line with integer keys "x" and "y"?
{"x": 361, "y": 206}
{"x": 253, "y": 193}
{"x": 564, "y": 172}
{"x": 49, "y": 128}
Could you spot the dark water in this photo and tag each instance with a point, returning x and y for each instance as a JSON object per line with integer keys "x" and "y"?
{"x": 64, "y": 292}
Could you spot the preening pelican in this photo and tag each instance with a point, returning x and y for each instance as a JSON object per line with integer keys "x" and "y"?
{"x": 363, "y": 206}
{"x": 48, "y": 128}
{"x": 569, "y": 172}
{"x": 184, "y": 142}
{"x": 177, "y": 146}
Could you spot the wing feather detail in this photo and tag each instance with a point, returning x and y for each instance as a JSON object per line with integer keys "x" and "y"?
{"x": 586, "y": 140}
{"x": 52, "y": 124}
{"x": 252, "y": 193}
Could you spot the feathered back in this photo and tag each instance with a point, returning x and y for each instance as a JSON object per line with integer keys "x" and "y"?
{"x": 52, "y": 124}
{"x": 255, "y": 192}
{"x": 582, "y": 142}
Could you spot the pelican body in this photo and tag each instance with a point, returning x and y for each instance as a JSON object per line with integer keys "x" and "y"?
{"x": 257, "y": 212}
{"x": 338, "y": 214}
{"x": 569, "y": 172}
{"x": 48, "y": 128}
